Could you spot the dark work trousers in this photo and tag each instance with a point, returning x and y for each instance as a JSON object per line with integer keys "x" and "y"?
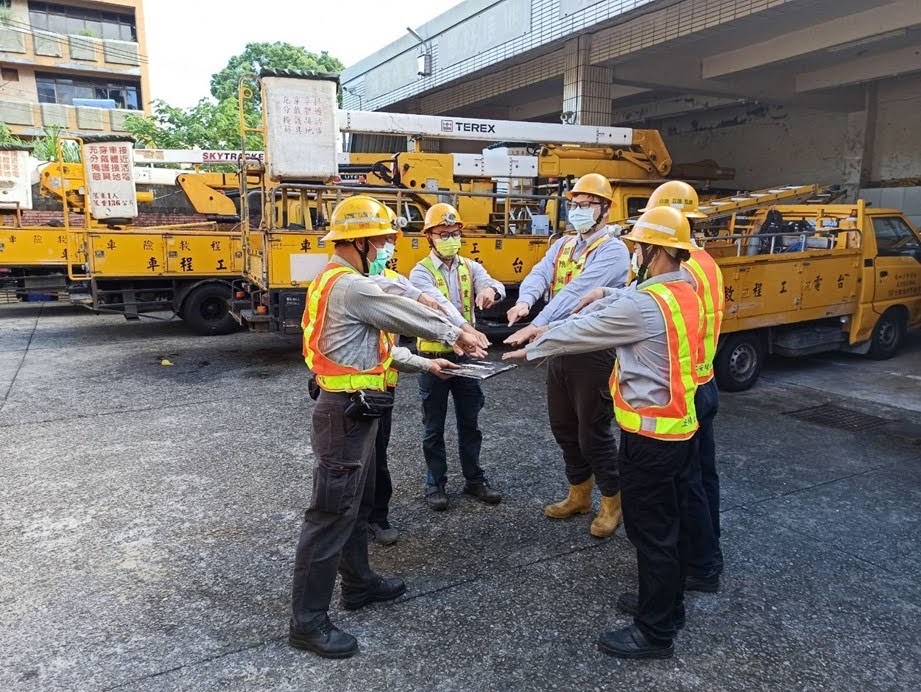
{"x": 654, "y": 488}
{"x": 705, "y": 557}
{"x": 383, "y": 485}
{"x": 468, "y": 400}
{"x": 581, "y": 410}
{"x": 336, "y": 521}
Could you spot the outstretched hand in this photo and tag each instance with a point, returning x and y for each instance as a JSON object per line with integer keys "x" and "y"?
{"x": 588, "y": 299}
{"x": 469, "y": 345}
{"x": 486, "y": 298}
{"x": 518, "y": 312}
{"x": 441, "y": 367}
{"x": 525, "y": 335}
{"x": 520, "y": 354}
{"x": 430, "y": 302}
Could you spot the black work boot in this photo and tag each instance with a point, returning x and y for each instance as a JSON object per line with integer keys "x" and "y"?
{"x": 380, "y": 589}
{"x": 325, "y": 640}
{"x": 482, "y": 492}
{"x": 630, "y": 642}
{"x": 436, "y": 497}
{"x": 629, "y": 604}
{"x": 709, "y": 583}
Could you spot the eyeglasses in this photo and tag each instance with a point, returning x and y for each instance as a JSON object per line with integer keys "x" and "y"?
{"x": 572, "y": 206}
{"x": 447, "y": 235}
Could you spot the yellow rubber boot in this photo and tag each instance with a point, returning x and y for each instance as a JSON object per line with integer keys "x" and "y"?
{"x": 608, "y": 518}
{"x": 578, "y": 501}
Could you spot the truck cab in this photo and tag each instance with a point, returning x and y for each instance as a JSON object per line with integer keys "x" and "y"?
{"x": 806, "y": 279}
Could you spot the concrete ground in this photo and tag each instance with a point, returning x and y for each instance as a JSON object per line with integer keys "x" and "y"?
{"x": 149, "y": 513}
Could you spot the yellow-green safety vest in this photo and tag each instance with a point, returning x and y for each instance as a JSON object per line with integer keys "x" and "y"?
{"x": 465, "y": 279}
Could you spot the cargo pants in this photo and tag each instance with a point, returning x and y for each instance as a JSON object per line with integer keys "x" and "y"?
{"x": 334, "y": 535}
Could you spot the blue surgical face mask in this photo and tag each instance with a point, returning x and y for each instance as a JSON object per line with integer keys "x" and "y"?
{"x": 582, "y": 219}
{"x": 379, "y": 263}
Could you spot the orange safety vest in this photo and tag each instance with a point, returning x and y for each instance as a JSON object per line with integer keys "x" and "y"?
{"x": 676, "y": 420}
{"x": 332, "y": 376}
{"x": 392, "y": 376}
{"x": 465, "y": 279}
{"x": 565, "y": 268}
{"x": 708, "y": 281}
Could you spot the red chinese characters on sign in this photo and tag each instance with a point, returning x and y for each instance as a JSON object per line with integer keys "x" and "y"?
{"x": 302, "y": 116}
{"x": 110, "y": 162}
{"x": 110, "y": 180}
{"x": 9, "y": 165}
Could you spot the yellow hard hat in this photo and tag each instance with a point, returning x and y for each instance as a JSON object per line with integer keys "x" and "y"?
{"x": 441, "y": 214}
{"x": 358, "y": 217}
{"x": 592, "y": 184}
{"x": 676, "y": 194}
{"x": 663, "y": 226}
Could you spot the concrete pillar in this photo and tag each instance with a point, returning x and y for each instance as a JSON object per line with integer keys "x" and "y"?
{"x": 859, "y": 141}
{"x": 587, "y": 88}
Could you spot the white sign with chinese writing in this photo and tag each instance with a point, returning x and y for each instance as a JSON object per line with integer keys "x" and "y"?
{"x": 301, "y": 132}
{"x": 15, "y": 180}
{"x": 110, "y": 180}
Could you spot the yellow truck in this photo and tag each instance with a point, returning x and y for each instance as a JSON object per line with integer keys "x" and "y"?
{"x": 806, "y": 279}
{"x": 107, "y": 263}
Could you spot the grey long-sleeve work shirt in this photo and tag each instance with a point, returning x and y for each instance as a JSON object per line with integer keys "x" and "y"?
{"x": 358, "y": 310}
{"x": 422, "y": 279}
{"x": 607, "y": 266}
{"x": 630, "y": 321}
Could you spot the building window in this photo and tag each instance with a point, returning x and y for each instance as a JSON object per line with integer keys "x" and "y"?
{"x": 8, "y": 74}
{"x": 58, "y": 89}
{"x": 61, "y": 19}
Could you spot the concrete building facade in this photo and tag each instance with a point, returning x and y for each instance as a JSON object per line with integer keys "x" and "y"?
{"x": 782, "y": 91}
{"x": 60, "y": 60}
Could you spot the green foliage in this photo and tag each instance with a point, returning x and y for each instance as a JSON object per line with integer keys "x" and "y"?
{"x": 213, "y": 123}
{"x": 207, "y": 125}
{"x": 45, "y": 148}
{"x": 7, "y": 136}
{"x": 277, "y": 56}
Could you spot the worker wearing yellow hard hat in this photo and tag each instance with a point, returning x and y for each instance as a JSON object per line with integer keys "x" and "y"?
{"x": 578, "y": 398}
{"x": 347, "y": 322}
{"x": 460, "y": 285}
{"x": 656, "y": 330}
{"x": 705, "y": 558}
{"x": 676, "y": 194}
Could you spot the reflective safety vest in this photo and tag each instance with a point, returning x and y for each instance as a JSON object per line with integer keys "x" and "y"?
{"x": 392, "y": 375}
{"x": 708, "y": 281}
{"x": 676, "y": 420}
{"x": 465, "y": 279}
{"x": 565, "y": 269}
{"x": 333, "y": 376}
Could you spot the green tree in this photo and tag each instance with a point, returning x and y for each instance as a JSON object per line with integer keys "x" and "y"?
{"x": 213, "y": 123}
{"x": 207, "y": 125}
{"x": 274, "y": 56}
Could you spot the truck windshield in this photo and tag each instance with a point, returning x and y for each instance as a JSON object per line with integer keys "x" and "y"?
{"x": 893, "y": 235}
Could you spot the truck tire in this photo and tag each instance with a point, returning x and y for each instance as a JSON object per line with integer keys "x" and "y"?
{"x": 206, "y": 310}
{"x": 738, "y": 361}
{"x": 888, "y": 335}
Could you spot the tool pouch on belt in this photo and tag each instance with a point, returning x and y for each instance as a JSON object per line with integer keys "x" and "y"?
{"x": 367, "y": 405}
{"x": 313, "y": 389}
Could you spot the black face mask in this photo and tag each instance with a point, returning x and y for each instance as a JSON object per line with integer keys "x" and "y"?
{"x": 363, "y": 253}
{"x": 647, "y": 260}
